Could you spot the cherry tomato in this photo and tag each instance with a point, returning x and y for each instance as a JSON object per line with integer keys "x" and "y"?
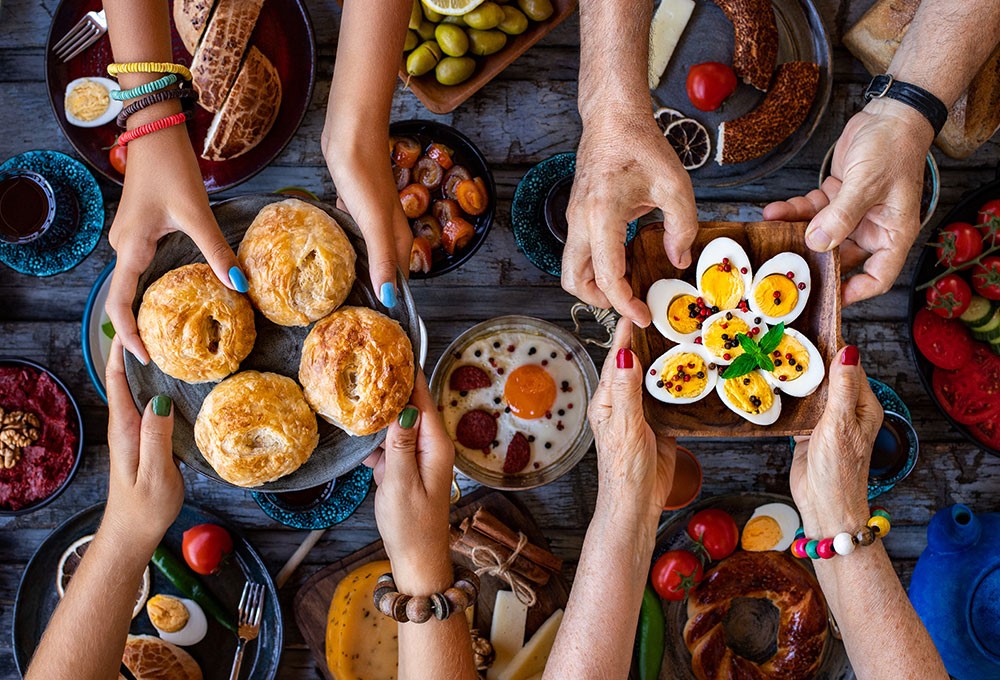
{"x": 441, "y": 154}
{"x": 471, "y": 196}
{"x": 986, "y": 277}
{"x": 989, "y": 227}
{"x": 709, "y": 84}
{"x": 456, "y": 234}
{"x": 117, "y": 156}
{"x": 405, "y": 151}
{"x": 205, "y": 546}
{"x": 415, "y": 199}
{"x": 946, "y": 343}
{"x": 715, "y": 532}
{"x": 420, "y": 256}
{"x": 675, "y": 573}
{"x": 958, "y": 243}
{"x": 949, "y": 297}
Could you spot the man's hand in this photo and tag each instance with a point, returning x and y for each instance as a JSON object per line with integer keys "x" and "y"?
{"x": 624, "y": 169}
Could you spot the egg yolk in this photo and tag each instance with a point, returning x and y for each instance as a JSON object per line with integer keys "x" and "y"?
{"x": 720, "y": 339}
{"x": 683, "y": 375}
{"x": 750, "y": 392}
{"x": 530, "y": 391}
{"x": 721, "y": 288}
{"x": 680, "y": 317}
{"x": 761, "y": 533}
{"x": 776, "y": 295}
{"x": 167, "y": 613}
{"x": 791, "y": 359}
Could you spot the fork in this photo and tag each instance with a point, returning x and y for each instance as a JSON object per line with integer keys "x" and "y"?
{"x": 84, "y": 34}
{"x": 251, "y": 610}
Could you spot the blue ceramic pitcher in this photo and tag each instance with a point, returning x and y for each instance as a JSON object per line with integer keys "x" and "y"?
{"x": 956, "y": 591}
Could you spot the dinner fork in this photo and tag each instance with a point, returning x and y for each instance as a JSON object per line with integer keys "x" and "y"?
{"x": 84, "y": 34}
{"x": 251, "y": 610}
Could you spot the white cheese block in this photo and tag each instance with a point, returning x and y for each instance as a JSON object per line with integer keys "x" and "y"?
{"x": 665, "y": 31}
{"x": 507, "y": 632}
{"x": 530, "y": 661}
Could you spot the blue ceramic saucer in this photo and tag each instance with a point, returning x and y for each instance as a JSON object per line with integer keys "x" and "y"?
{"x": 527, "y": 213}
{"x": 332, "y": 507}
{"x": 79, "y": 217}
{"x": 96, "y": 341}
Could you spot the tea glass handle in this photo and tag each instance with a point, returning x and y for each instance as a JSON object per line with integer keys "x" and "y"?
{"x": 605, "y": 317}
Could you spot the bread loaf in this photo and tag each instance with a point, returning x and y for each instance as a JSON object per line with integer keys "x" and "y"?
{"x": 247, "y": 114}
{"x": 190, "y": 19}
{"x": 217, "y": 59}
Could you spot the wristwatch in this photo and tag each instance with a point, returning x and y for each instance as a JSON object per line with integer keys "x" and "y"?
{"x": 929, "y": 106}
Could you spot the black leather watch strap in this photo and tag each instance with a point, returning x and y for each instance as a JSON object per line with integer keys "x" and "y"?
{"x": 929, "y": 106}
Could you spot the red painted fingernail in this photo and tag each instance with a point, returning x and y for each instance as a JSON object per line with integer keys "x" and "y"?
{"x": 624, "y": 358}
{"x": 850, "y": 356}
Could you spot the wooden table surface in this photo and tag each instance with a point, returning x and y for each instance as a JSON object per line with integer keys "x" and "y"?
{"x": 523, "y": 117}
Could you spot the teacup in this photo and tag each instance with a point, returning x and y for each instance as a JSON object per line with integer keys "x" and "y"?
{"x": 894, "y": 454}
{"x": 27, "y": 206}
{"x": 556, "y": 202}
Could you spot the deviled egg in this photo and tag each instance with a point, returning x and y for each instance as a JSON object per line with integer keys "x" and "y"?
{"x": 723, "y": 274}
{"x": 673, "y": 304}
{"x": 780, "y": 288}
{"x": 178, "y": 620}
{"x": 682, "y": 375}
{"x": 719, "y": 331}
{"x": 771, "y": 527}
{"x": 750, "y": 396}
{"x": 88, "y": 102}
{"x": 798, "y": 365}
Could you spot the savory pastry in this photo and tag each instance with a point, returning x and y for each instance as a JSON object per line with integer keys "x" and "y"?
{"x": 194, "y": 328}
{"x": 802, "y": 625}
{"x": 190, "y": 19}
{"x": 247, "y": 114}
{"x": 255, "y": 428}
{"x": 147, "y": 656}
{"x": 298, "y": 262}
{"x": 217, "y": 59}
{"x": 755, "y": 48}
{"x": 357, "y": 369}
{"x": 783, "y": 110}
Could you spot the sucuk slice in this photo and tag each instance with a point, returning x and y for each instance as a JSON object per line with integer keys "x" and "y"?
{"x": 467, "y": 378}
{"x": 783, "y": 110}
{"x": 946, "y": 343}
{"x": 665, "y": 116}
{"x": 755, "y": 46}
{"x": 70, "y": 562}
{"x": 691, "y": 142}
{"x": 518, "y": 454}
{"x": 476, "y": 429}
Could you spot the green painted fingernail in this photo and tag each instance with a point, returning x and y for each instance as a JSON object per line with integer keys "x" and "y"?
{"x": 408, "y": 417}
{"x": 161, "y": 405}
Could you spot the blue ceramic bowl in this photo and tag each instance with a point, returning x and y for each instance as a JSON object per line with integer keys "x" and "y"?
{"x": 93, "y": 339}
{"x": 332, "y": 505}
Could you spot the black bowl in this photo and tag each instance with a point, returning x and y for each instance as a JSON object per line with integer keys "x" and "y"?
{"x": 14, "y": 361}
{"x": 965, "y": 211}
{"x": 467, "y": 154}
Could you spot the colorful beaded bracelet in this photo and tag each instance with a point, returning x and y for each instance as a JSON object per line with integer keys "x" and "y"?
{"x": 158, "y": 84}
{"x": 155, "y": 126}
{"x": 150, "y": 67}
{"x": 844, "y": 543}
{"x": 419, "y": 609}
{"x": 154, "y": 98}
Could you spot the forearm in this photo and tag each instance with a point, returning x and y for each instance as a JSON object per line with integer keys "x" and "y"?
{"x": 614, "y": 56}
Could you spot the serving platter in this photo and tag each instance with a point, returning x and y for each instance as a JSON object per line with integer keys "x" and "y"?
{"x": 277, "y": 349}
{"x": 37, "y": 597}
{"x": 820, "y": 322}
{"x": 283, "y": 33}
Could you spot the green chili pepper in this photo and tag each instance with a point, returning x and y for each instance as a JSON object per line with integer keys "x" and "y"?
{"x": 651, "y": 632}
{"x": 187, "y": 582}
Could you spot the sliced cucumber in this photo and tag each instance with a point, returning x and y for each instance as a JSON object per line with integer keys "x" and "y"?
{"x": 987, "y": 336}
{"x": 980, "y": 311}
{"x": 985, "y": 331}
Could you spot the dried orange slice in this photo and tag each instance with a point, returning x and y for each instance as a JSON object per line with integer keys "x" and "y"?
{"x": 690, "y": 140}
{"x": 70, "y": 562}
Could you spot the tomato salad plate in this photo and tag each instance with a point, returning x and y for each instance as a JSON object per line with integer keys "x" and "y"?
{"x": 954, "y": 317}
{"x": 199, "y": 568}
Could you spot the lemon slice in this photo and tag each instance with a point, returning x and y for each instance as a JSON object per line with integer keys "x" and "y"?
{"x": 453, "y": 8}
{"x": 70, "y": 562}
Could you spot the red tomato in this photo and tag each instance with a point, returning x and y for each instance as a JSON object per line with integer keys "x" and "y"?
{"x": 117, "y": 156}
{"x": 709, "y": 84}
{"x": 986, "y": 277}
{"x": 675, "y": 573}
{"x": 946, "y": 343}
{"x": 715, "y": 532}
{"x": 958, "y": 243}
{"x": 958, "y": 398}
{"x": 949, "y": 297}
{"x": 988, "y": 227}
{"x": 988, "y": 431}
{"x": 205, "y": 546}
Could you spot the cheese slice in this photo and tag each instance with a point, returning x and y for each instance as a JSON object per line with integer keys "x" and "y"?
{"x": 361, "y": 642}
{"x": 531, "y": 659}
{"x": 507, "y": 632}
{"x": 669, "y": 22}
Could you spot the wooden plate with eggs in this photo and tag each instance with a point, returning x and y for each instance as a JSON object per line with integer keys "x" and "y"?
{"x": 746, "y": 280}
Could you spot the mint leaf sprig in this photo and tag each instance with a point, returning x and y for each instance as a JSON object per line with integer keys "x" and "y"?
{"x": 755, "y": 355}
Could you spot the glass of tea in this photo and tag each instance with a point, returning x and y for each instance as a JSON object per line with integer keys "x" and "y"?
{"x": 27, "y": 206}
{"x": 556, "y": 203}
{"x": 894, "y": 454}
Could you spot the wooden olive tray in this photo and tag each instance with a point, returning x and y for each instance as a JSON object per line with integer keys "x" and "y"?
{"x": 312, "y": 602}
{"x": 820, "y": 322}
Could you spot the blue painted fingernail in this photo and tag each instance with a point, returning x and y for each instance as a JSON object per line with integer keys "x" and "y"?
{"x": 388, "y": 295}
{"x": 239, "y": 281}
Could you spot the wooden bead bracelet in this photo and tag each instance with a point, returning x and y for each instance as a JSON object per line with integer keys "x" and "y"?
{"x": 844, "y": 543}
{"x": 420, "y": 608}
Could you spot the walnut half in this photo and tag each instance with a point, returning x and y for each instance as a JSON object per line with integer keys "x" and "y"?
{"x": 17, "y": 430}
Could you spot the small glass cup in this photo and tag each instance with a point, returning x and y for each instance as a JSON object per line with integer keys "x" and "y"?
{"x": 27, "y": 206}
{"x": 556, "y": 202}
{"x": 895, "y": 453}
{"x": 687, "y": 481}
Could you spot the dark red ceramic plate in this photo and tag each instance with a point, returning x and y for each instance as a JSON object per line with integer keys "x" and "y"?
{"x": 284, "y": 34}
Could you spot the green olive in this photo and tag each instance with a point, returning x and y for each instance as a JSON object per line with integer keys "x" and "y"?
{"x": 452, "y": 40}
{"x": 488, "y": 15}
{"x": 426, "y": 31}
{"x": 482, "y": 43}
{"x": 430, "y": 14}
{"x": 454, "y": 70}
{"x": 416, "y": 16}
{"x": 456, "y": 21}
{"x": 411, "y": 40}
{"x": 514, "y": 22}
{"x": 423, "y": 58}
{"x": 537, "y": 10}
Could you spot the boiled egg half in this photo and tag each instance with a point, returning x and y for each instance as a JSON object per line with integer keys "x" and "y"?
{"x": 682, "y": 375}
{"x": 673, "y": 304}
{"x": 798, "y": 366}
{"x": 780, "y": 288}
{"x": 771, "y": 527}
{"x": 88, "y": 102}
{"x": 719, "y": 331}
{"x": 178, "y": 620}
{"x": 723, "y": 275}
{"x": 750, "y": 396}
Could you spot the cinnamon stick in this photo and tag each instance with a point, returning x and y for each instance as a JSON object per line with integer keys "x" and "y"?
{"x": 486, "y": 523}
{"x": 465, "y": 539}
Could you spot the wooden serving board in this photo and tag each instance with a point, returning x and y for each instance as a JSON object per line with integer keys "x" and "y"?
{"x": 820, "y": 322}
{"x": 312, "y": 602}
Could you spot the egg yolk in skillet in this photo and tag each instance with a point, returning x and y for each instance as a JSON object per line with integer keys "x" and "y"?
{"x": 720, "y": 339}
{"x": 722, "y": 288}
{"x": 530, "y": 391}
{"x": 679, "y": 316}
{"x": 750, "y": 392}
{"x": 776, "y": 295}
{"x": 683, "y": 375}
{"x": 791, "y": 359}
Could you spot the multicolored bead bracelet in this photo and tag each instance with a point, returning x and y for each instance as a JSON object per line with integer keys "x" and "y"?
{"x": 154, "y": 98}
{"x": 155, "y": 126}
{"x": 158, "y": 84}
{"x": 149, "y": 67}
{"x": 419, "y": 609}
{"x": 844, "y": 543}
